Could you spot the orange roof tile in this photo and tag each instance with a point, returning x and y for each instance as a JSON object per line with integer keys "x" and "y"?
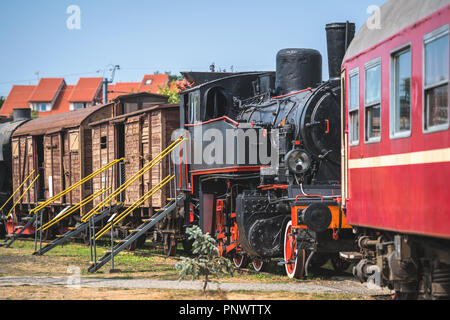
{"x": 46, "y": 90}
{"x": 86, "y": 90}
{"x": 153, "y": 82}
{"x": 62, "y": 103}
{"x": 18, "y": 97}
{"x": 122, "y": 88}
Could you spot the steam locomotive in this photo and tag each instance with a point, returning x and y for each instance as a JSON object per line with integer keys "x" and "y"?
{"x": 261, "y": 162}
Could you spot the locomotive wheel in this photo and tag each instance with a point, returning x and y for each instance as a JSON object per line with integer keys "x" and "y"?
{"x": 258, "y": 265}
{"x": 170, "y": 245}
{"x": 296, "y": 268}
{"x": 339, "y": 264}
{"x": 187, "y": 245}
{"x": 240, "y": 260}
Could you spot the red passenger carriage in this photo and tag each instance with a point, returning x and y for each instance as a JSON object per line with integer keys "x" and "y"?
{"x": 397, "y": 147}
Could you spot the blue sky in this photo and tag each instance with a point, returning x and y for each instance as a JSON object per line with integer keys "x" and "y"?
{"x": 144, "y": 36}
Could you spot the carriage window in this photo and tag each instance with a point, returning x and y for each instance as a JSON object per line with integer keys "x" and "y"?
{"x": 436, "y": 55}
{"x": 353, "y": 113}
{"x": 401, "y": 90}
{"x": 373, "y": 101}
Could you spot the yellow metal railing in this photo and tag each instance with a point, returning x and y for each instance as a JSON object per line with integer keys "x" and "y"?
{"x": 76, "y": 185}
{"x": 136, "y": 176}
{"x": 18, "y": 188}
{"x": 73, "y": 209}
{"x": 136, "y": 204}
{"x": 23, "y": 194}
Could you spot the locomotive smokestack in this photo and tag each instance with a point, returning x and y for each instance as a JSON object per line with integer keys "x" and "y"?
{"x": 297, "y": 69}
{"x": 339, "y": 36}
{"x": 21, "y": 114}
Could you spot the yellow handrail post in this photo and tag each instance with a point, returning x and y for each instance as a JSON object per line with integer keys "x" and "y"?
{"x": 20, "y": 198}
{"x": 140, "y": 201}
{"x": 76, "y": 185}
{"x": 136, "y": 176}
{"x": 73, "y": 209}
{"x": 18, "y": 188}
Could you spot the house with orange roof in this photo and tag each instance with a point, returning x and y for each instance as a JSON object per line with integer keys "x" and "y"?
{"x": 54, "y": 95}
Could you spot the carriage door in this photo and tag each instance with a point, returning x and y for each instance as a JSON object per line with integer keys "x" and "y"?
{"x": 344, "y": 141}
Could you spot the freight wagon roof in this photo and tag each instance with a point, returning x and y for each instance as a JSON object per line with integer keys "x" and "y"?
{"x": 395, "y": 15}
{"x": 57, "y": 122}
{"x": 155, "y": 106}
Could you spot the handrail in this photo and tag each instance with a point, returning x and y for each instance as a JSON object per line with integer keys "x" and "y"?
{"x": 140, "y": 201}
{"x": 76, "y": 185}
{"x": 73, "y": 209}
{"x": 18, "y": 188}
{"x": 136, "y": 176}
{"x": 20, "y": 198}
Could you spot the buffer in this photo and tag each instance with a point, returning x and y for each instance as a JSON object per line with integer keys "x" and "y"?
{"x": 135, "y": 234}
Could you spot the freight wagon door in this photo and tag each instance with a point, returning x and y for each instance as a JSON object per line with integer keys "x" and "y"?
{"x": 39, "y": 164}
{"x": 120, "y": 147}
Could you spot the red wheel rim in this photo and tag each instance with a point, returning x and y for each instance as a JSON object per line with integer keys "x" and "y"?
{"x": 294, "y": 268}
{"x": 257, "y": 264}
{"x": 238, "y": 259}
{"x": 289, "y": 250}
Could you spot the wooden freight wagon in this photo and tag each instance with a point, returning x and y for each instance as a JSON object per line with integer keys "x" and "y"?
{"x": 58, "y": 147}
{"x": 138, "y": 136}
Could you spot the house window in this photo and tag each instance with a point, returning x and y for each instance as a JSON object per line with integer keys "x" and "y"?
{"x": 372, "y": 101}
{"x": 148, "y": 82}
{"x": 436, "y": 71}
{"x": 78, "y": 105}
{"x": 401, "y": 93}
{"x": 353, "y": 109}
{"x": 42, "y": 107}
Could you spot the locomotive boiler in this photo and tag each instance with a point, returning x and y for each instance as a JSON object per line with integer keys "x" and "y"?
{"x": 263, "y": 168}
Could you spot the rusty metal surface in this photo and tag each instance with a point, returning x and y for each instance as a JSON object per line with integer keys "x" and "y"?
{"x": 57, "y": 122}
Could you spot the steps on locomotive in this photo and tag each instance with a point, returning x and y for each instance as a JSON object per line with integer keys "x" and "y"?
{"x": 60, "y": 239}
{"x": 136, "y": 233}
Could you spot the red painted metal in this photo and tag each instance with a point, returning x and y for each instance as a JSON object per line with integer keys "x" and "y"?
{"x": 213, "y": 120}
{"x": 292, "y": 93}
{"x": 404, "y": 198}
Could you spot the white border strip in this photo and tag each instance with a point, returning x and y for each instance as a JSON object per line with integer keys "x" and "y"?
{"x": 404, "y": 159}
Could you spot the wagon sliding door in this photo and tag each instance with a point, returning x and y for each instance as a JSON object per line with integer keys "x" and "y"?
{"x": 72, "y": 165}
{"x": 54, "y": 182}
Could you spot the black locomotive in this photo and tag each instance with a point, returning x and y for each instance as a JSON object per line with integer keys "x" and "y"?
{"x": 288, "y": 207}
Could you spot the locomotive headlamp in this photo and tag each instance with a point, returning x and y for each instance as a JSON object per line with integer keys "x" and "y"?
{"x": 298, "y": 161}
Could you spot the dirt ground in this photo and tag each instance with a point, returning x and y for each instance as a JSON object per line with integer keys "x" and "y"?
{"x": 150, "y": 264}
{"x": 62, "y": 293}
